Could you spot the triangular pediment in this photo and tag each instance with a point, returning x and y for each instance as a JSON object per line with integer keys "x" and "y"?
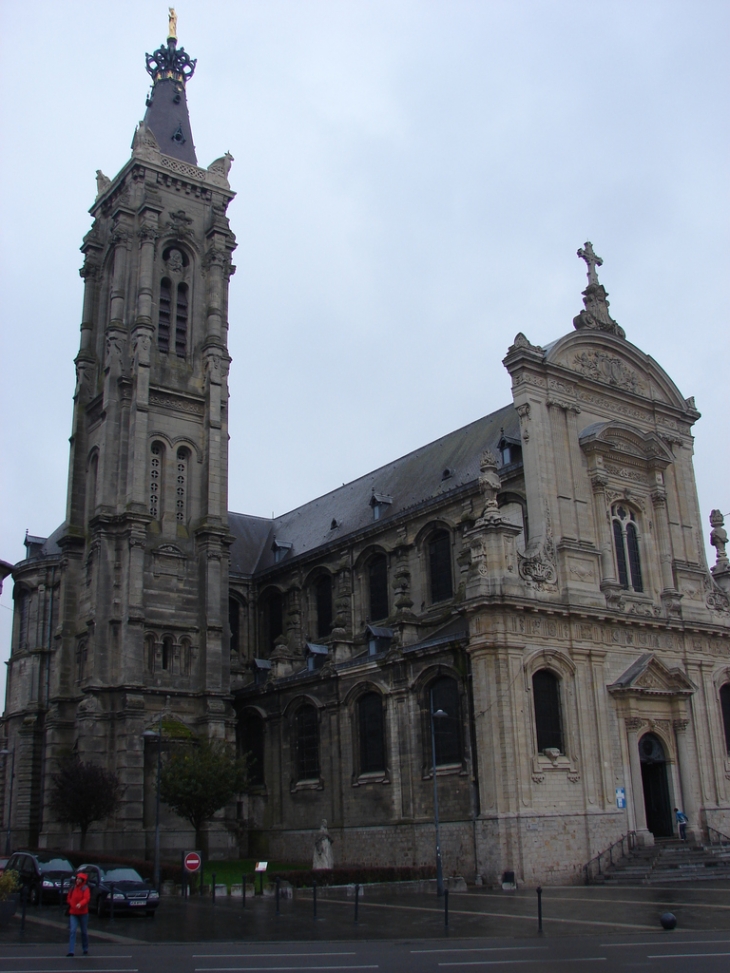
{"x": 649, "y": 676}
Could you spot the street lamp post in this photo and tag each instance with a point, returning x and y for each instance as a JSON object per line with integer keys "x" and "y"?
{"x": 157, "y": 735}
{"x": 436, "y": 715}
{"x": 9, "y": 753}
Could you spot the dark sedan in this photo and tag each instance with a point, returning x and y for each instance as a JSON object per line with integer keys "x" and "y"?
{"x": 131, "y": 892}
{"x": 45, "y": 877}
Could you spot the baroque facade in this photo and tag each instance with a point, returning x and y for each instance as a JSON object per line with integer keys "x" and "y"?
{"x": 523, "y": 607}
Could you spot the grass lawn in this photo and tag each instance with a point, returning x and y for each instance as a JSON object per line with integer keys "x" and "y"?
{"x": 230, "y": 872}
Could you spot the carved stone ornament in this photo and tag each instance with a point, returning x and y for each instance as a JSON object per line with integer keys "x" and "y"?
{"x": 489, "y": 482}
{"x": 715, "y": 597}
{"x": 170, "y": 62}
{"x": 102, "y": 183}
{"x": 718, "y": 537}
{"x": 175, "y": 262}
{"x": 608, "y": 369}
{"x": 521, "y": 343}
{"x": 222, "y": 166}
{"x": 539, "y": 569}
{"x": 595, "y": 316}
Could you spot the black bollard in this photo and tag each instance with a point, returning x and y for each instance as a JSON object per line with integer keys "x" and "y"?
{"x": 539, "y": 908}
{"x": 243, "y": 890}
{"x": 446, "y": 908}
{"x": 357, "y": 899}
{"x": 277, "y": 880}
{"x": 314, "y": 896}
{"x": 23, "y": 904}
{"x": 213, "y": 887}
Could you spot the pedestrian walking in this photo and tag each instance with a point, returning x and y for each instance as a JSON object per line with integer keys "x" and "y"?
{"x": 682, "y": 820}
{"x": 78, "y": 913}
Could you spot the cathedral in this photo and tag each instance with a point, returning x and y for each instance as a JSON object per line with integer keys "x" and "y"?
{"x": 518, "y": 618}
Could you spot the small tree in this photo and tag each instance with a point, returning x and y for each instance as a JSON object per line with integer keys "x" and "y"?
{"x": 198, "y": 781}
{"x": 82, "y": 793}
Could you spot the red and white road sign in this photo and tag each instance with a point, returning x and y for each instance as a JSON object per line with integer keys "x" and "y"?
{"x": 192, "y": 861}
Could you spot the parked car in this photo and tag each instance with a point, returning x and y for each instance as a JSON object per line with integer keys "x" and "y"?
{"x": 45, "y": 876}
{"x": 131, "y": 892}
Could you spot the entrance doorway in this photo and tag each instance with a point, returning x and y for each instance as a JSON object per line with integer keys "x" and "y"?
{"x": 656, "y": 788}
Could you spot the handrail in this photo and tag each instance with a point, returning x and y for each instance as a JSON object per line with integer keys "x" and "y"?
{"x": 723, "y": 838}
{"x": 597, "y": 861}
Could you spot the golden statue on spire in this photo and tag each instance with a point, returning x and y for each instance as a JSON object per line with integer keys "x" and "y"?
{"x": 172, "y": 23}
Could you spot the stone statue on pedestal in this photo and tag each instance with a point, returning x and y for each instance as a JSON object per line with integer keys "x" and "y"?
{"x": 322, "y": 858}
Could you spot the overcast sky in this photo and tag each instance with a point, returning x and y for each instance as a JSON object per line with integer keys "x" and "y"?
{"x": 413, "y": 180}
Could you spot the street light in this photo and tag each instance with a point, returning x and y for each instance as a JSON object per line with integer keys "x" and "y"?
{"x": 436, "y": 715}
{"x": 157, "y": 735}
{"x": 5, "y": 753}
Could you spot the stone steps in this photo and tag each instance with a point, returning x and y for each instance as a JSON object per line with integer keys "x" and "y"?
{"x": 669, "y": 861}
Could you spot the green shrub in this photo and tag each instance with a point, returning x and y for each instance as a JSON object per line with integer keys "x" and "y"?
{"x": 9, "y": 883}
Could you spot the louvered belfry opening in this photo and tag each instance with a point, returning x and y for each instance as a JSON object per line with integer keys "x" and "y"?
{"x": 181, "y": 321}
{"x": 444, "y": 696}
{"x": 372, "y": 733}
{"x": 548, "y": 719}
{"x": 307, "y": 743}
{"x": 378, "y": 587}
{"x": 439, "y": 563}
{"x": 164, "y": 317}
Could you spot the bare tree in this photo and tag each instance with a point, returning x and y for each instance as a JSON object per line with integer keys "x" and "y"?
{"x": 82, "y": 793}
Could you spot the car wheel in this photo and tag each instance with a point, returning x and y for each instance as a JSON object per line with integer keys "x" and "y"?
{"x": 33, "y": 895}
{"x": 100, "y": 907}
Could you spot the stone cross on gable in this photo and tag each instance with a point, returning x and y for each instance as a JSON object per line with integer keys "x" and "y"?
{"x": 587, "y": 254}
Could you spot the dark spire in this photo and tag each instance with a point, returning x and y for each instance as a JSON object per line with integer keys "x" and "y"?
{"x": 167, "y": 109}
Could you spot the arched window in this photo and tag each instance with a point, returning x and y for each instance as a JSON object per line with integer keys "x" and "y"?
{"x": 164, "y": 315}
{"x": 307, "y": 743}
{"x": 439, "y": 566}
{"x": 548, "y": 718}
{"x": 378, "y": 587}
{"x": 157, "y": 457}
{"x": 725, "y": 704}
{"x": 443, "y": 696}
{"x": 149, "y": 652}
{"x": 181, "y": 485}
{"x": 22, "y": 608}
{"x": 234, "y": 625}
{"x": 272, "y": 619}
{"x": 185, "y": 653}
{"x": 82, "y": 652}
{"x": 251, "y": 743}
{"x": 168, "y": 647}
{"x": 626, "y": 546}
{"x": 181, "y": 321}
{"x": 323, "y": 600}
{"x": 371, "y": 733}
{"x": 91, "y": 487}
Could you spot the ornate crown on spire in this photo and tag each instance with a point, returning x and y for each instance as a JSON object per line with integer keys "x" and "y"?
{"x": 169, "y": 62}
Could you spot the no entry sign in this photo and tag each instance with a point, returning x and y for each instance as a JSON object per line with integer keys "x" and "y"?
{"x": 192, "y": 861}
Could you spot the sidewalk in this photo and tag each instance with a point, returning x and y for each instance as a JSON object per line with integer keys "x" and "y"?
{"x": 388, "y": 915}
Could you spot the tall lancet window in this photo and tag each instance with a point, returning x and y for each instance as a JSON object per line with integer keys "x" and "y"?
{"x": 626, "y": 545}
{"x": 157, "y": 457}
{"x": 181, "y": 490}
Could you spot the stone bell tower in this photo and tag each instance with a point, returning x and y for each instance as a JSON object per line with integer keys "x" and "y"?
{"x": 144, "y": 586}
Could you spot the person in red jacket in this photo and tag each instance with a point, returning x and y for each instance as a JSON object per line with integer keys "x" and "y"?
{"x": 78, "y": 911}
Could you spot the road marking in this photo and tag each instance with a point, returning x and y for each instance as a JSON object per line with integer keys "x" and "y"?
{"x": 42, "y": 959}
{"x": 684, "y": 955}
{"x": 277, "y": 955}
{"x": 248, "y": 969}
{"x": 674, "y": 942}
{"x": 64, "y": 969}
{"x": 479, "y": 949}
{"x": 498, "y": 962}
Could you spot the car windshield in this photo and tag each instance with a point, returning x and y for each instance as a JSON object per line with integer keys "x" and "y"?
{"x": 121, "y": 875}
{"x": 54, "y": 865}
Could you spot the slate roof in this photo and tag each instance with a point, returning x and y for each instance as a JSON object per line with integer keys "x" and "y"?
{"x": 411, "y": 480}
{"x": 169, "y": 121}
